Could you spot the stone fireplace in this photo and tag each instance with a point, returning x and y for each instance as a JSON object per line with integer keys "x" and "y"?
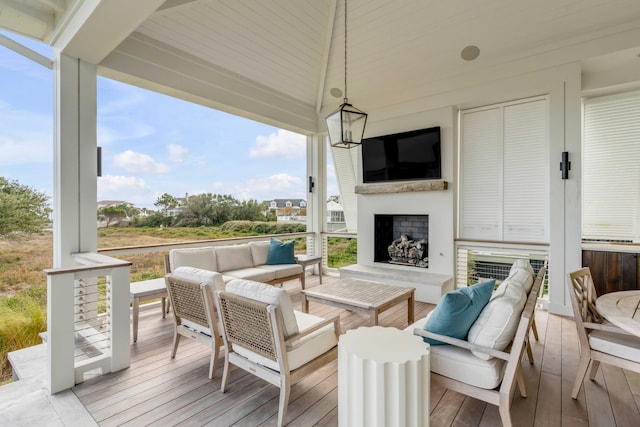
{"x": 401, "y": 240}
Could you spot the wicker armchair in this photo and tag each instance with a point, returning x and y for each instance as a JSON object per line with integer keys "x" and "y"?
{"x": 255, "y": 340}
{"x": 194, "y": 315}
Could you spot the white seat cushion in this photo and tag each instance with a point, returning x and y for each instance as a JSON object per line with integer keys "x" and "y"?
{"x": 204, "y": 258}
{"x": 233, "y": 257}
{"x": 282, "y": 270}
{"x": 621, "y": 345}
{"x": 269, "y": 295}
{"x": 303, "y": 351}
{"x": 252, "y": 273}
{"x": 201, "y": 276}
{"x": 461, "y": 364}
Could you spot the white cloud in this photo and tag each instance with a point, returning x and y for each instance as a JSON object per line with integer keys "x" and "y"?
{"x": 284, "y": 144}
{"x": 276, "y": 186}
{"x": 127, "y": 188}
{"x": 134, "y": 162}
{"x": 26, "y": 137}
{"x": 177, "y": 153}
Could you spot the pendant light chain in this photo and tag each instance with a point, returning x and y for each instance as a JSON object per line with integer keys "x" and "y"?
{"x": 345, "y": 51}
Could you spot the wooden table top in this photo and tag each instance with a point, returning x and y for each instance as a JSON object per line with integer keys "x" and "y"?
{"x": 622, "y": 309}
{"x": 359, "y": 293}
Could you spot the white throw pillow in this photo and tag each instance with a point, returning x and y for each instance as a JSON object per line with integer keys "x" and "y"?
{"x": 496, "y": 325}
{"x": 522, "y": 277}
{"x": 269, "y": 295}
{"x": 521, "y": 263}
{"x": 201, "y": 276}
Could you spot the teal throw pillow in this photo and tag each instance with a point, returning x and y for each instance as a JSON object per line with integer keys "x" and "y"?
{"x": 457, "y": 310}
{"x": 281, "y": 252}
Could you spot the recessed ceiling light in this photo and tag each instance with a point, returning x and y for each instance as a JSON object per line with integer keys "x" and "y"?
{"x": 335, "y": 92}
{"x": 470, "y": 53}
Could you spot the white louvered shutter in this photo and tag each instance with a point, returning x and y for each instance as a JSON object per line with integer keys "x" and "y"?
{"x": 611, "y": 168}
{"x": 480, "y": 166}
{"x": 504, "y": 172}
{"x": 344, "y": 163}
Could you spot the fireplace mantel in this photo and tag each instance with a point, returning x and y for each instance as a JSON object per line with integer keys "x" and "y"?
{"x": 401, "y": 187}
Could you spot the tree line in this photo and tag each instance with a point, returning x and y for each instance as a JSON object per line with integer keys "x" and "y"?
{"x": 205, "y": 209}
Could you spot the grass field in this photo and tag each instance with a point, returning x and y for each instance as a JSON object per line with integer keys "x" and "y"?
{"x": 23, "y": 283}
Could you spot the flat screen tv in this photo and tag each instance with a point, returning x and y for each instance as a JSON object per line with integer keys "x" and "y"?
{"x": 402, "y": 156}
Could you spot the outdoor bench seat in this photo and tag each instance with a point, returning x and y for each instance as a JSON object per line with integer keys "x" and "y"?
{"x": 246, "y": 261}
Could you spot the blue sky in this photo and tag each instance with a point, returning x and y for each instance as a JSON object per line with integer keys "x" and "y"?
{"x": 151, "y": 143}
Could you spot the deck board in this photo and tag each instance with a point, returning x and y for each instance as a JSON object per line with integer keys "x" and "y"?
{"x": 159, "y": 391}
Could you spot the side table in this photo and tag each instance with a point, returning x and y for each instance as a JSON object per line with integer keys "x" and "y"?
{"x": 146, "y": 290}
{"x": 305, "y": 260}
{"x": 383, "y": 378}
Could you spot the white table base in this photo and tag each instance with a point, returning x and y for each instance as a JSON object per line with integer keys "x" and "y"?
{"x": 383, "y": 378}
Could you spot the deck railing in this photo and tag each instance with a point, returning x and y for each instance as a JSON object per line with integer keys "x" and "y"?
{"x": 87, "y": 319}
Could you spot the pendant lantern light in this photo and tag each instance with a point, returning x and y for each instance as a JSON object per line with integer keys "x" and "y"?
{"x": 346, "y": 124}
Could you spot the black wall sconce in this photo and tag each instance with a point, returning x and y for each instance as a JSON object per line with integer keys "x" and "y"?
{"x": 311, "y": 184}
{"x": 99, "y": 155}
{"x": 565, "y": 165}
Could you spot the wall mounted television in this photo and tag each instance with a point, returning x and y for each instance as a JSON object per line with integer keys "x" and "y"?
{"x": 402, "y": 156}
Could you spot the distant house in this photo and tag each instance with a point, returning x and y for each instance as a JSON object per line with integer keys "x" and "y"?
{"x": 335, "y": 217}
{"x": 106, "y": 203}
{"x": 289, "y": 210}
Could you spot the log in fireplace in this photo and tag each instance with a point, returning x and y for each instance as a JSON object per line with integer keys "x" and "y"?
{"x": 401, "y": 239}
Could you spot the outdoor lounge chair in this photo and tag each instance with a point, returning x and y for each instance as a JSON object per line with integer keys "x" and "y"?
{"x": 194, "y": 312}
{"x": 264, "y": 336}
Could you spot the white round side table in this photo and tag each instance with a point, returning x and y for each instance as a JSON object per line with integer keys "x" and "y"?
{"x": 383, "y": 378}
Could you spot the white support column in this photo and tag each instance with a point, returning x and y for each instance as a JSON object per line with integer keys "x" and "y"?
{"x": 120, "y": 330}
{"x": 75, "y": 166}
{"x": 60, "y": 337}
{"x": 317, "y": 198}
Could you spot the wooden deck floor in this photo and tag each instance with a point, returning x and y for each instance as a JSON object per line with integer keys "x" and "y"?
{"x": 157, "y": 390}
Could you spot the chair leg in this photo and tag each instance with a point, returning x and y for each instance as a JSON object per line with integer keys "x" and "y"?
{"x": 176, "y": 341}
{"x": 284, "y": 402}
{"x": 582, "y": 370}
{"x": 520, "y": 380}
{"x": 215, "y": 352}
{"x": 529, "y": 352}
{"x": 534, "y": 328}
{"x": 505, "y": 413}
{"x": 225, "y": 374}
{"x": 594, "y": 369}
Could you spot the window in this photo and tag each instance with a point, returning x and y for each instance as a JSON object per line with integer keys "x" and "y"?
{"x": 303, "y": 204}
{"x": 611, "y": 168}
{"x": 274, "y": 204}
{"x": 504, "y": 184}
{"x": 288, "y": 204}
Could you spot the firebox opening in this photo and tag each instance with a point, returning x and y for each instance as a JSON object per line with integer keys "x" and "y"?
{"x": 402, "y": 239}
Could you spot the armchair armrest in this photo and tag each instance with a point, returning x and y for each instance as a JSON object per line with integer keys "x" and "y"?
{"x": 462, "y": 344}
{"x": 293, "y": 340}
{"x": 607, "y": 327}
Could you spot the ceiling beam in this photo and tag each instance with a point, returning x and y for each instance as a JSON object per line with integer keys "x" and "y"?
{"x": 26, "y": 52}
{"x": 325, "y": 55}
{"x": 95, "y": 28}
{"x": 28, "y": 21}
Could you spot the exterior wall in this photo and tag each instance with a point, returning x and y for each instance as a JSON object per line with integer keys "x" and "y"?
{"x": 563, "y": 86}
{"x": 438, "y": 205}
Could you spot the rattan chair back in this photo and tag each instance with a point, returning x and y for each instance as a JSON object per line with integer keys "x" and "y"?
{"x": 248, "y": 323}
{"x": 187, "y": 300}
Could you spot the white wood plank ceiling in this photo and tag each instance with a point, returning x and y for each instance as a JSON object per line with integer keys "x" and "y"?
{"x": 286, "y": 55}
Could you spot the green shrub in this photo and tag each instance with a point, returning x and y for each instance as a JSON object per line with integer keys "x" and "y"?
{"x": 342, "y": 251}
{"x": 22, "y": 317}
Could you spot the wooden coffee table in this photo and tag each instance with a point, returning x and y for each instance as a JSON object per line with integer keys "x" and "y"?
{"x": 361, "y": 296}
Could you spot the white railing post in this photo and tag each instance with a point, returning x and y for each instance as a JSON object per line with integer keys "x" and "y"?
{"x": 118, "y": 307}
{"x": 60, "y": 332}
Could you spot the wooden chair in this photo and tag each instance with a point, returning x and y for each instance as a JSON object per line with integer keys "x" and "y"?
{"x": 255, "y": 341}
{"x": 194, "y": 315}
{"x": 599, "y": 341}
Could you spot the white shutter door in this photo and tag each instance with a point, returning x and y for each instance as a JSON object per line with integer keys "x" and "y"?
{"x": 481, "y": 164}
{"x": 611, "y": 168}
{"x": 526, "y": 180}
